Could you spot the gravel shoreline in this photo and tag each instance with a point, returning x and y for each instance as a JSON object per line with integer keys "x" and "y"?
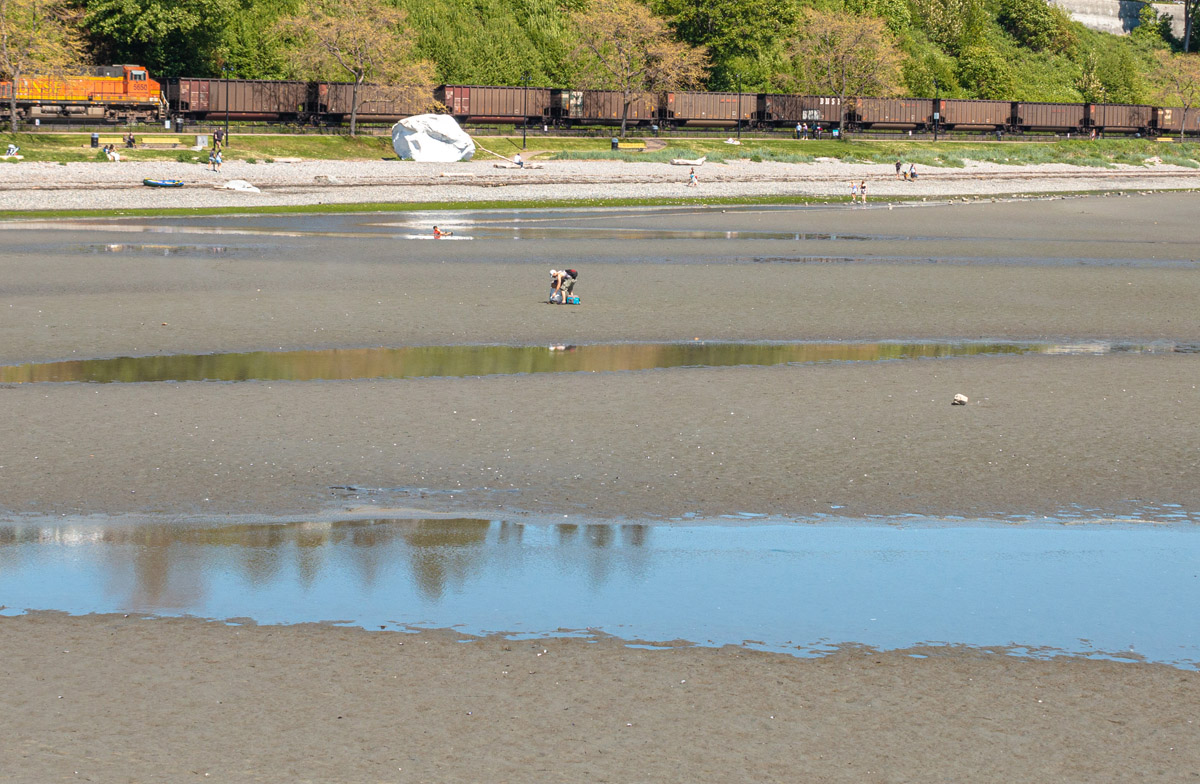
{"x": 97, "y": 185}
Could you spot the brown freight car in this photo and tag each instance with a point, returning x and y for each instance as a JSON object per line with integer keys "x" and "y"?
{"x": 569, "y": 107}
{"x": 376, "y": 103}
{"x": 961, "y": 113}
{"x": 473, "y": 103}
{"x": 781, "y": 110}
{"x": 1061, "y": 117}
{"x": 891, "y": 112}
{"x": 708, "y": 109}
{"x": 1120, "y": 118}
{"x": 1171, "y": 119}
{"x": 246, "y": 99}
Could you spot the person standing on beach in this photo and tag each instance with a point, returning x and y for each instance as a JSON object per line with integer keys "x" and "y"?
{"x": 862, "y": 191}
{"x": 898, "y": 166}
{"x": 217, "y": 161}
{"x": 692, "y": 181}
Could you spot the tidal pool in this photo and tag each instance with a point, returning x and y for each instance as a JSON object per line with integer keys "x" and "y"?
{"x": 458, "y": 361}
{"x": 1113, "y": 590}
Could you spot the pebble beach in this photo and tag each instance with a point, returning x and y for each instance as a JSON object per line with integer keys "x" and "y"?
{"x": 118, "y": 185}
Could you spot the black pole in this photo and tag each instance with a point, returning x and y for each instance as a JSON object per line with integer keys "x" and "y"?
{"x": 937, "y": 107}
{"x": 225, "y": 73}
{"x": 525, "y": 110}
{"x": 739, "y": 105}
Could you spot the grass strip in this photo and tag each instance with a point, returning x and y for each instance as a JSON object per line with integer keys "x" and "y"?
{"x": 542, "y": 204}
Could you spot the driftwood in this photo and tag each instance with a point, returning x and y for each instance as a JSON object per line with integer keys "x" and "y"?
{"x": 685, "y": 162}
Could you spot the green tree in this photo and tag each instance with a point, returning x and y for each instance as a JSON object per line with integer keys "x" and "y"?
{"x": 927, "y": 70}
{"x": 1036, "y": 24}
{"x": 845, "y": 55}
{"x": 743, "y": 37}
{"x": 1178, "y": 77}
{"x": 494, "y": 41}
{"x": 622, "y": 46}
{"x": 36, "y": 37}
{"x": 896, "y": 13}
{"x": 169, "y": 37}
{"x": 251, "y": 45}
{"x": 1121, "y": 74}
{"x": 358, "y": 38}
{"x": 1152, "y": 28}
{"x": 952, "y": 24}
{"x": 985, "y": 72}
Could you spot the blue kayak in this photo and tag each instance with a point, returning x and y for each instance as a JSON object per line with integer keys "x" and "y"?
{"x": 162, "y": 183}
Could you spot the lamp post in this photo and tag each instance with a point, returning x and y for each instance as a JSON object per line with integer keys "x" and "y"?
{"x": 525, "y": 108}
{"x": 225, "y": 73}
{"x": 739, "y": 104}
{"x": 937, "y": 106}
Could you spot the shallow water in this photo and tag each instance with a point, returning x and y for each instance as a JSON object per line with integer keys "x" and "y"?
{"x": 458, "y": 361}
{"x": 1121, "y": 590}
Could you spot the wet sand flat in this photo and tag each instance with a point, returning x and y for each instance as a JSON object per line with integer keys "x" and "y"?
{"x": 1042, "y": 433}
{"x": 101, "y": 698}
{"x": 1071, "y": 268}
{"x": 180, "y": 698}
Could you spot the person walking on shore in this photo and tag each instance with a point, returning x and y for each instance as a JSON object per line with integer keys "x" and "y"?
{"x": 853, "y": 193}
{"x": 692, "y": 181}
{"x": 862, "y": 191}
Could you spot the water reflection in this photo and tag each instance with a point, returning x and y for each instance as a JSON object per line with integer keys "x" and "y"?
{"x": 426, "y": 361}
{"x": 515, "y": 230}
{"x": 1124, "y": 590}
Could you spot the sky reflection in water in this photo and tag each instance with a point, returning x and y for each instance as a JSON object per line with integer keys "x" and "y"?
{"x": 1119, "y": 589}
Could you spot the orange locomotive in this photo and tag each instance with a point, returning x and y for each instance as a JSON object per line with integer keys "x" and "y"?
{"x": 118, "y": 93}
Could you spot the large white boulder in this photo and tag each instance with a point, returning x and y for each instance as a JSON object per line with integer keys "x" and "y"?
{"x": 431, "y": 137}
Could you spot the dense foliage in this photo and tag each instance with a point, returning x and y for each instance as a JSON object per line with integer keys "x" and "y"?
{"x": 1022, "y": 49}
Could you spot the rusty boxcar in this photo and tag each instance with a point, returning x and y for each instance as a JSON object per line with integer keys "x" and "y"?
{"x": 782, "y": 110}
{"x": 708, "y": 109}
{"x": 1120, "y": 118}
{"x": 899, "y": 113}
{"x": 1171, "y": 119}
{"x": 601, "y": 107}
{"x": 376, "y": 103}
{"x": 246, "y": 99}
{"x": 1033, "y": 116}
{"x": 962, "y": 113}
{"x": 475, "y": 103}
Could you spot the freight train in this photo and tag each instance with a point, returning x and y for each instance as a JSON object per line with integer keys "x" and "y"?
{"x": 125, "y": 94}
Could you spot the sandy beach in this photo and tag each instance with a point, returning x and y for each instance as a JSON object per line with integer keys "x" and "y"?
{"x": 142, "y": 699}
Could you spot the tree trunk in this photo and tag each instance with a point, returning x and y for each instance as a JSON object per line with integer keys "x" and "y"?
{"x": 625, "y": 101}
{"x": 358, "y": 79}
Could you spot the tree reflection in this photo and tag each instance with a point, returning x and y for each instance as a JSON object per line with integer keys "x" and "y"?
{"x": 458, "y": 361}
{"x": 173, "y": 566}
